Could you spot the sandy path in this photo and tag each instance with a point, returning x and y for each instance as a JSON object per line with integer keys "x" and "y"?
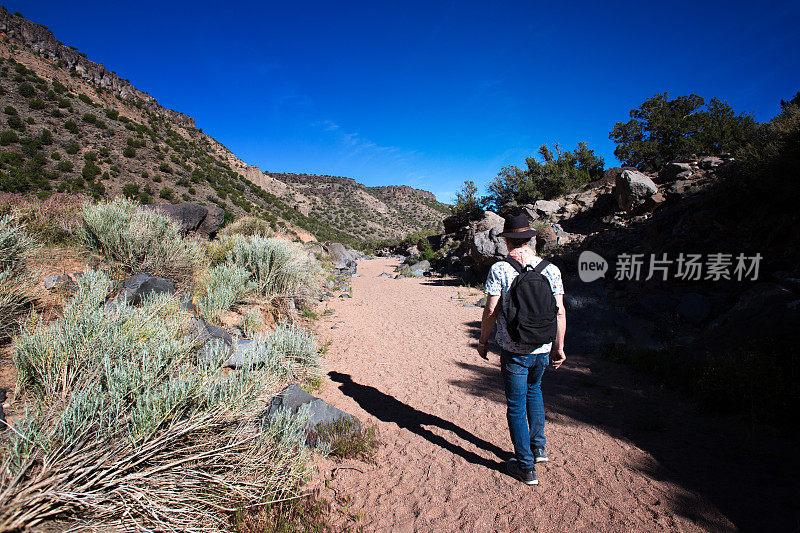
{"x": 624, "y": 456}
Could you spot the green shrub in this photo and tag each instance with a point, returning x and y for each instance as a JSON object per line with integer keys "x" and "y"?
{"x": 767, "y": 166}
{"x": 8, "y": 137}
{"x": 16, "y": 283}
{"x": 130, "y": 191}
{"x": 90, "y": 118}
{"x": 10, "y": 110}
{"x": 37, "y": 104}
{"x": 59, "y": 87}
{"x": 662, "y": 129}
{"x": 72, "y": 127}
{"x": 129, "y": 151}
{"x": 46, "y": 137}
{"x": 55, "y": 156}
{"x": 63, "y": 103}
{"x": 165, "y": 168}
{"x": 27, "y": 90}
{"x": 219, "y": 288}
{"x": 85, "y": 99}
{"x": 15, "y": 122}
{"x": 136, "y": 241}
{"x": 113, "y": 114}
{"x": 122, "y": 396}
{"x": 65, "y": 166}
{"x": 557, "y": 174}
{"x": 72, "y": 148}
{"x": 90, "y": 171}
{"x": 166, "y": 193}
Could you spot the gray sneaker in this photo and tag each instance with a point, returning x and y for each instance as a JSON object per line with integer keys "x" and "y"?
{"x": 526, "y": 476}
{"x": 540, "y": 455}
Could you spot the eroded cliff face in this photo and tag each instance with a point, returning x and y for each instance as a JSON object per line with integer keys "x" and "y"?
{"x": 40, "y": 40}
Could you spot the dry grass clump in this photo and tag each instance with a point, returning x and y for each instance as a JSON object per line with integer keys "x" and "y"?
{"x": 346, "y": 439}
{"x": 52, "y": 220}
{"x": 219, "y": 288}
{"x": 247, "y": 227}
{"x": 289, "y": 353}
{"x": 129, "y": 422}
{"x": 136, "y": 241}
{"x": 256, "y": 267}
{"x": 16, "y": 283}
{"x": 279, "y": 268}
{"x": 253, "y": 321}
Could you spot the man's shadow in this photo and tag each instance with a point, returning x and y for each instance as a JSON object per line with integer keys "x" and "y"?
{"x": 388, "y": 409}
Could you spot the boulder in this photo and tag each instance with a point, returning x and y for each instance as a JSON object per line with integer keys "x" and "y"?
{"x": 489, "y": 221}
{"x": 137, "y": 288}
{"x": 710, "y": 162}
{"x": 189, "y": 214}
{"x": 205, "y": 336}
{"x": 422, "y": 266}
{"x": 545, "y": 208}
{"x": 632, "y": 190}
{"x": 212, "y": 222}
{"x": 487, "y": 247}
{"x": 546, "y": 239}
{"x": 57, "y": 281}
{"x": 530, "y": 211}
{"x": 412, "y": 251}
{"x": 677, "y": 189}
{"x": 694, "y": 307}
{"x": 673, "y": 171}
{"x": 586, "y": 199}
{"x": 244, "y": 351}
{"x": 292, "y": 398}
{"x": 342, "y": 259}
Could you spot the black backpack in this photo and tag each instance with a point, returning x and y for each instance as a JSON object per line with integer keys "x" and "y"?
{"x": 532, "y": 308}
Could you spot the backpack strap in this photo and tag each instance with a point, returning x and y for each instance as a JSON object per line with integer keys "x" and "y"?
{"x": 514, "y": 264}
{"x": 541, "y": 266}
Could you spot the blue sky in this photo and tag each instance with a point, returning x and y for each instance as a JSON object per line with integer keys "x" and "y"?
{"x": 431, "y": 93}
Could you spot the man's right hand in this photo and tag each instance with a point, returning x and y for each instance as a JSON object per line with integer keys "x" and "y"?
{"x": 557, "y": 357}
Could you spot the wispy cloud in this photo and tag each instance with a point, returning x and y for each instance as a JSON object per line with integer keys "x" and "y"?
{"x": 356, "y": 146}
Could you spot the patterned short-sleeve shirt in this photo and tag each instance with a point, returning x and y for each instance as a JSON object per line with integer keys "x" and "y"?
{"x": 497, "y": 284}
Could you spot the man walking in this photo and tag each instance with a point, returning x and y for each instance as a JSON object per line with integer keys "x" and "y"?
{"x": 526, "y": 314}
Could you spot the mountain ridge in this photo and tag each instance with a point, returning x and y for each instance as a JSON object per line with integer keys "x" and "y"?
{"x": 171, "y": 152}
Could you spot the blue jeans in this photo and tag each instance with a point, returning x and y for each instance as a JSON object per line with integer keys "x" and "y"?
{"x": 522, "y": 377}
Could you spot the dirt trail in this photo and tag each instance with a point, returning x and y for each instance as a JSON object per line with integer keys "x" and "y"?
{"x": 625, "y": 456}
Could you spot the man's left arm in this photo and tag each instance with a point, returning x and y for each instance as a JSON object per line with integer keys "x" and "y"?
{"x": 488, "y": 322}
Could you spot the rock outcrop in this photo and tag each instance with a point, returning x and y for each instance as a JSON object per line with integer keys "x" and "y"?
{"x": 633, "y": 190}
{"x": 192, "y": 217}
{"x": 42, "y": 41}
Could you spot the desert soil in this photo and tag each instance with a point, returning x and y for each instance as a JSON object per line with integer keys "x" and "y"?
{"x": 625, "y": 455}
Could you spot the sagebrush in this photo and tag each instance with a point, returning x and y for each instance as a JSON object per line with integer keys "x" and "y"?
{"x": 16, "y": 282}
{"x": 135, "y": 240}
{"x": 124, "y": 408}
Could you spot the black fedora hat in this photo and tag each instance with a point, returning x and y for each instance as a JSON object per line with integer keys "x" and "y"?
{"x": 518, "y": 227}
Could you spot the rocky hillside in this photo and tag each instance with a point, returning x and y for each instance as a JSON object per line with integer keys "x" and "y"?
{"x": 72, "y": 125}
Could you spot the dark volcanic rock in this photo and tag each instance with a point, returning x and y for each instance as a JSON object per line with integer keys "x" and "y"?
{"x": 189, "y": 214}
{"x": 292, "y": 398}
{"x": 137, "y": 288}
